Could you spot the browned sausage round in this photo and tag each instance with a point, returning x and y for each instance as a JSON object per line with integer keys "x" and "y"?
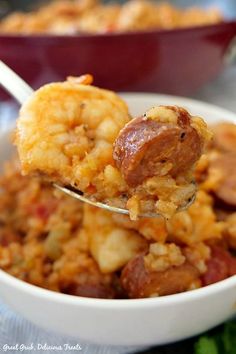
{"x": 145, "y": 144}
{"x": 226, "y": 165}
{"x": 8, "y": 236}
{"x": 225, "y": 137}
{"x": 139, "y": 282}
{"x": 220, "y": 266}
{"x": 91, "y": 290}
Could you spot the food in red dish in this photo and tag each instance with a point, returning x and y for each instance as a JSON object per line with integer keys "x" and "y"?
{"x": 90, "y": 16}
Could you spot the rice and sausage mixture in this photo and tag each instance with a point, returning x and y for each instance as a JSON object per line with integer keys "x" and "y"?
{"x": 78, "y": 135}
{"x": 51, "y": 240}
{"x": 91, "y": 16}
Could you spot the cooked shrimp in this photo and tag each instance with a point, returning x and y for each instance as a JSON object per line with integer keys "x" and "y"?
{"x": 66, "y": 131}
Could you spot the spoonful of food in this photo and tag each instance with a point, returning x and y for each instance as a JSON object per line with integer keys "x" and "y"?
{"x": 82, "y": 138}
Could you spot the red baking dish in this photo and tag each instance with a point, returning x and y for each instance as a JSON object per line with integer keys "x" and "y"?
{"x": 174, "y": 61}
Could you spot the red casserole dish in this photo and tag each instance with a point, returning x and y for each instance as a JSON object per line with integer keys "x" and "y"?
{"x": 174, "y": 61}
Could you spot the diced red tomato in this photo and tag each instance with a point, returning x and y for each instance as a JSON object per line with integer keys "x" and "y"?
{"x": 43, "y": 210}
{"x": 91, "y": 189}
{"x": 110, "y": 28}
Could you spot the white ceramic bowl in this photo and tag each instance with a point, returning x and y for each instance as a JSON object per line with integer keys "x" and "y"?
{"x": 127, "y": 322}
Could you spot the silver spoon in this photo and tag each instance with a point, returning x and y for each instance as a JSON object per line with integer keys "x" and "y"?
{"x": 20, "y": 90}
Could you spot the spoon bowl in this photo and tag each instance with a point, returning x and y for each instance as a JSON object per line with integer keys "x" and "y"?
{"x": 20, "y": 90}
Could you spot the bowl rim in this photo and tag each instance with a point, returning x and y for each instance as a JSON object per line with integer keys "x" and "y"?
{"x": 163, "y": 301}
{"x": 167, "y": 300}
{"x": 151, "y": 32}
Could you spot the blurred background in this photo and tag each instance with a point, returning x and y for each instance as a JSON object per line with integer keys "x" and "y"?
{"x": 227, "y": 6}
{"x": 168, "y": 60}
{"x": 193, "y": 62}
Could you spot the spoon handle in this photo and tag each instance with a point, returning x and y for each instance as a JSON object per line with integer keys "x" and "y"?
{"x": 17, "y": 87}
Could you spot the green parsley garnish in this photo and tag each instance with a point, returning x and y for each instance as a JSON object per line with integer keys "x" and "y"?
{"x": 221, "y": 341}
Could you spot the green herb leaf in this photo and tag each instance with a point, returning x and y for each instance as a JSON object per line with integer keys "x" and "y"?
{"x": 206, "y": 345}
{"x": 229, "y": 338}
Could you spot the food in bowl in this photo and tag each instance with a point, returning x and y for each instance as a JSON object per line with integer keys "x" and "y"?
{"x": 53, "y": 241}
{"x": 115, "y": 317}
{"x": 79, "y": 135}
{"x": 90, "y": 16}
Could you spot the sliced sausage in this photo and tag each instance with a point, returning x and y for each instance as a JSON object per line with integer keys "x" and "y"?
{"x": 221, "y": 214}
{"x": 220, "y": 266}
{"x": 43, "y": 210}
{"x": 145, "y": 145}
{"x": 226, "y": 165}
{"x": 140, "y": 282}
{"x": 225, "y": 137}
{"x": 91, "y": 290}
{"x": 8, "y": 236}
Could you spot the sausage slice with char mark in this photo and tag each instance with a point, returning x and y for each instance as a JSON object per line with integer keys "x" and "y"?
{"x": 140, "y": 282}
{"x": 164, "y": 135}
